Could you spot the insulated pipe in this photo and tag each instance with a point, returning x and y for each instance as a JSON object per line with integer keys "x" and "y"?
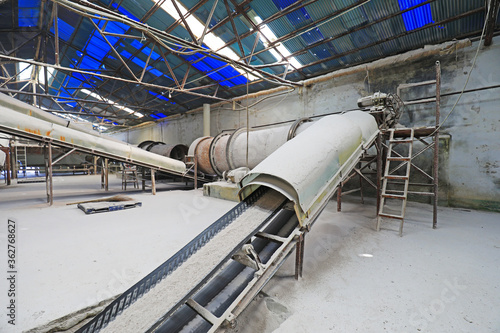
{"x": 206, "y": 119}
{"x": 38, "y": 129}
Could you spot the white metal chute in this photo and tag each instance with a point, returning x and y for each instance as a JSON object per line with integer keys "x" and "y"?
{"x": 21, "y": 124}
{"x": 308, "y": 168}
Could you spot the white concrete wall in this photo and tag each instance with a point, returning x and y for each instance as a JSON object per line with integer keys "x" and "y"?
{"x": 470, "y": 169}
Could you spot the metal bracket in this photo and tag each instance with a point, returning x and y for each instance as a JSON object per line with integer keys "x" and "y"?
{"x": 248, "y": 257}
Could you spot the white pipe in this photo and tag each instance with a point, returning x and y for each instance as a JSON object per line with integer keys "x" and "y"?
{"x": 19, "y": 123}
{"x": 29, "y": 110}
{"x": 206, "y": 119}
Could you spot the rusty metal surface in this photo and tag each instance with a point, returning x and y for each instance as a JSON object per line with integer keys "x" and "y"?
{"x": 200, "y": 149}
{"x": 218, "y": 153}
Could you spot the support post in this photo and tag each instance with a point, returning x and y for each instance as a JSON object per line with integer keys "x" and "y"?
{"x": 361, "y": 184}
{"x": 13, "y": 161}
{"x": 143, "y": 179}
{"x": 48, "y": 174}
{"x": 106, "y": 175}
{"x": 206, "y": 119}
{"x": 339, "y": 197}
{"x": 379, "y": 168}
{"x": 436, "y": 143}
{"x": 153, "y": 182}
{"x": 299, "y": 256}
{"x": 195, "y": 172}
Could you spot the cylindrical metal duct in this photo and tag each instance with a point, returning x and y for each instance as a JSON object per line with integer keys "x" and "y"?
{"x": 228, "y": 150}
{"x": 175, "y": 151}
{"x": 218, "y": 152}
{"x": 262, "y": 142}
{"x": 200, "y": 148}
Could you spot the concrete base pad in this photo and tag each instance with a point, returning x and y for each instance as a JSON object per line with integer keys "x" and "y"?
{"x": 221, "y": 190}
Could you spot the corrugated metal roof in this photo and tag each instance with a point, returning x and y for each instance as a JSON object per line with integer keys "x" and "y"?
{"x": 322, "y": 36}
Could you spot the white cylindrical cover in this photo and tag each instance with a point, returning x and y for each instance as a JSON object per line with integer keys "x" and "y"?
{"x": 302, "y": 168}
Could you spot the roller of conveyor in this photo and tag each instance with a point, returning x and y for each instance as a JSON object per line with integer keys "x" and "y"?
{"x": 223, "y": 289}
{"x": 170, "y": 285}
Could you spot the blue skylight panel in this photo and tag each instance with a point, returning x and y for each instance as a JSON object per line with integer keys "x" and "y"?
{"x": 158, "y": 115}
{"x": 28, "y": 13}
{"x": 146, "y": 50}
{"x": 65, "y": 30}
{"x": 417, "y": 17}
{"x": 160, "y": 96}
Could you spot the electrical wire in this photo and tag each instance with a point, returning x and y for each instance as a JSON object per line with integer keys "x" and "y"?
{"x": 470, "y": 71}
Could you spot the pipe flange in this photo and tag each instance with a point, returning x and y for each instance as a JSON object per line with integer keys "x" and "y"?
{"x": 213, "y": 153}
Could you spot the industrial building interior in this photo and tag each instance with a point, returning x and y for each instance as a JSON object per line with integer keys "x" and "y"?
{"x": 249, "y": 166}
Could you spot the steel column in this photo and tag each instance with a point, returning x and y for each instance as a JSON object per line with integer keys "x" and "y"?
{"x": 299, "y": 256}
{"x": 153, "y": 182}
{"x": 436, "y": 143}
{"x": 48, "y": 174}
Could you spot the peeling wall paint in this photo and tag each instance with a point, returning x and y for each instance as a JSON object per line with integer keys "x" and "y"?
{"x": 470, "y": 152}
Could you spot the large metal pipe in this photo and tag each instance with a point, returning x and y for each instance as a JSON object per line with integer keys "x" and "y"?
{"x": 200, "y": 150}
{"x": 21, "y": 124}
{"x": 175, "y": 151}
{"x": 228, "y": 150}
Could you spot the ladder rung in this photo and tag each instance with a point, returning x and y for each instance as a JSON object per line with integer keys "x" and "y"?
{"x": 399, "y": 217}
{"x": 394, "y": 196}
{"x": 396, "y": 177}
{"x": 398, "y": 158}
{"x": 401, "y": 141}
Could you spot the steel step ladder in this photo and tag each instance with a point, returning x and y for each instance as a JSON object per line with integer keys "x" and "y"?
{"x": 394, "y": 193}
{"x": 22, "y": 159}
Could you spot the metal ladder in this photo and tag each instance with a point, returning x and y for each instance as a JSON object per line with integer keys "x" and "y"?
{"x": 390, "y": 177}
{"x": 22, "y": 158}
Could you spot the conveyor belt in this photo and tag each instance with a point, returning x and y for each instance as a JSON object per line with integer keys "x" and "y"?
{"x": 222, "y": 291}
{"x": 201, "y": 260}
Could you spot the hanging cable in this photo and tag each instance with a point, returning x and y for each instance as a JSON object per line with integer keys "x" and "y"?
{"x": 470, "y": 71}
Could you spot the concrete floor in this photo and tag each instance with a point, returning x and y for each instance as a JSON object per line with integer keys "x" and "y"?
{"x": 355, "y": 279}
